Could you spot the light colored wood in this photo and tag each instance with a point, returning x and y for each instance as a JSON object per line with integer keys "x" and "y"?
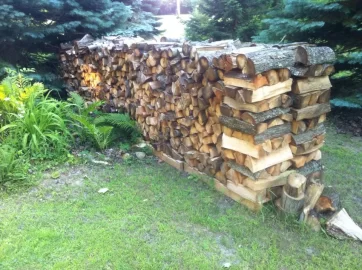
{"x": 296, "y": 184}
{"x": 246, "y": 193}
{"x": 256, "y": 207}
{"x": 241, "y": 146}
{"x": 273, "y": 158}
{"x": 311, "y": 111}
{"x": 174, "y": 163}
{"x": 312, "y": 194}
{"x": 310, "y": 84}
{"x": 342, "y": 222}
{"x": 262, "y": 184}
{"x": 266, "y": 92}
{"x": 238, "y": 79}
{"x": 256, "y": 107}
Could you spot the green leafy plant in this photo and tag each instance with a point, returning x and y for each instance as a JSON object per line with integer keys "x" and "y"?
{"x": 101, "y": 129}
{"x": 10, "y": 165}
{"x": 32, "y": 121}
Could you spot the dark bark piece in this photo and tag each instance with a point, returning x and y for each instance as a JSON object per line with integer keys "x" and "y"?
{"x": 310, "y": 71}
{"x": 244, "y": 170}
{"x": 267, "y": 115}
{"x": 311, "y": 167}
{"x": 273, "y": 132}
{"x": 215, "y": 163}
{"x": 311, "y": 111}
{"x": 308, "y": 135}
{"x": 314, "y": 55}
{"x": 230, "y": 91}
{"x": 238, "y": 125}
{"x": 226, "y": 110}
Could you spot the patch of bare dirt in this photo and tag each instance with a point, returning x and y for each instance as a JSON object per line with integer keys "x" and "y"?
{"x": 347, "y": 121}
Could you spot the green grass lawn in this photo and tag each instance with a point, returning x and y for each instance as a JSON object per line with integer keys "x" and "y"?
{"x": 155, "y": 217}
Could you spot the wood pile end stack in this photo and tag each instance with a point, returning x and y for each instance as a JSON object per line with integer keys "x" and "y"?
{"x": 248, "y": 115}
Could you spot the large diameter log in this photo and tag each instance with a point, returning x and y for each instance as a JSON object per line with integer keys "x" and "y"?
{"x": 275, "y": 157}
{"x": 291, "y": 205}
{"x": 239, "y": 125}
{"x": 311, "y": 111}
{"x": 261, "y": 61}
{"x": 307, "y": 55}
{"x": 302, "y": 86}
{"x": 308, "y": 135}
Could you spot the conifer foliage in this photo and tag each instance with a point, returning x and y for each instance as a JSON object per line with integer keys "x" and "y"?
{"x": 334, "y": 23}
{"x": 226, "y": 19}
{"x": 32, "y": 30}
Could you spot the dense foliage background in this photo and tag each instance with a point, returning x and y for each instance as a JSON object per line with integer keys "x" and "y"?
{"x": 334, "y": 23}
{"x": 31, "y": 31}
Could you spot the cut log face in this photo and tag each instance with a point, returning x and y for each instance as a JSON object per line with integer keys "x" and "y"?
{"x": 308, "y": 56}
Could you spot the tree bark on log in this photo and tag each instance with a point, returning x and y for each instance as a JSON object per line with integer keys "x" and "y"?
{"x": 307, "y": 55}
{"x": 256, "y": 118}
{"x": 244, "y": 170}
{"x": 308, "y": 135}
{"x": 273, "y": 132}
{"x": 261, "y": 61}
{"x": 311, "y": 111}
{"x": 239, "y": 125}
{"x": 310, "y": 167}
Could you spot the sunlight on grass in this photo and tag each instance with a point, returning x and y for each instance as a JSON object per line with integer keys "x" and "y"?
{"x": 154, "y": 217}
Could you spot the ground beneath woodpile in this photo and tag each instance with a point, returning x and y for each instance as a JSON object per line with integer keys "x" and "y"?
{"x": 347, "y": 121}
{"x": 155, "y": 217}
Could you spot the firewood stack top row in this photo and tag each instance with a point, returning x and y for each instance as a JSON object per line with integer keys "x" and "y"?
{"x": 248, "y": 115}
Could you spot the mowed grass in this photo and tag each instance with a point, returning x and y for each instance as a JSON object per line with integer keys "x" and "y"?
{"x": 155, "y": 217}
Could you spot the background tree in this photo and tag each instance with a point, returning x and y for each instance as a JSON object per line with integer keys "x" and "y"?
{"x": 226, "y": 19}
{"x": 334, "y": 23}
{"x": 31, "y": 31}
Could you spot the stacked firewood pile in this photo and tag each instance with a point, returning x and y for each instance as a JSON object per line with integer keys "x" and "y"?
{"x": 249, "y": 115}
